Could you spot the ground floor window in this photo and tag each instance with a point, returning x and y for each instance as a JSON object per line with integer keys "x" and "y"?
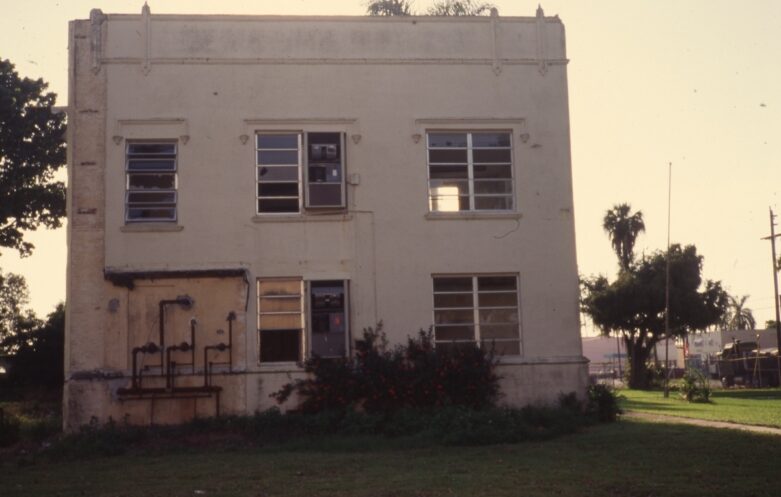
{"x": 298, "y": 318}
{"x": 477, "y": 308}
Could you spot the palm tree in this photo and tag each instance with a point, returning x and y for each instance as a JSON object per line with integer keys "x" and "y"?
{"x": 740, "y": 317}
{"x": 623, "y": 228}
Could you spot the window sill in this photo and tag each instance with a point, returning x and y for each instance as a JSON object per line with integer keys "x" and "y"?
{"x": 303, "y": 218}
{"x": 280, "y": 367}
{"x": 150, "y": 228}
{"x": 469, "y": 215}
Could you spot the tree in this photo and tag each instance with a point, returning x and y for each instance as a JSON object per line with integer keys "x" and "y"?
{"x": 634, "y": 304}
{"x": 39, "y": 353}
{"x": 739, "y": 316}
{"x": 389, "y": 8}
{"x": 32, "y": 148}
{"x": 14, "y": 319}
{"x": 459, "y": 8}
{"x": 623, "y": 228}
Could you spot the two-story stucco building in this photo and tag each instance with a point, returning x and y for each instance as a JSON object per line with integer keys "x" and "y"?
{"x": 245, "y": 191}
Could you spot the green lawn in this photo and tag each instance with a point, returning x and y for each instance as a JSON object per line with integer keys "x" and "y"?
{"x": 629, "y": 458}
{"x": 754, "y": 407}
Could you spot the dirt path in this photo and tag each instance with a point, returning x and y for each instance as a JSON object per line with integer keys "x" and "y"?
{"x": 662, "y": 418}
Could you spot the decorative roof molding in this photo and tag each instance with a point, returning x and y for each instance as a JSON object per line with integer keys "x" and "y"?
{"x": 97, "y": 18}
{"x": 542, "y": 63}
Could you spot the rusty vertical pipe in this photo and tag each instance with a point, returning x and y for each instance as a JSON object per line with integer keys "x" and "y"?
{"x": 192, "y": 343}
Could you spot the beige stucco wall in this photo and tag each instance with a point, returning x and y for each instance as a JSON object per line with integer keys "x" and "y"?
{"x": 212, "y": 82}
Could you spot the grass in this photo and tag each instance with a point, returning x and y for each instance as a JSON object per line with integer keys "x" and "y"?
{"x": 754, "y": 407}
{"x": 630, "y": 458}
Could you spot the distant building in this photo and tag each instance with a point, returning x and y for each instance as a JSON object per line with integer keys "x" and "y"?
{"x": 247, "y": 191}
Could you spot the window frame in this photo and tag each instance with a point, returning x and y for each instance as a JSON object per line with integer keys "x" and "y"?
{"x": 303, "y": 183}
{"x": 131, "y": 191}
{"x": 305, "y": 332}
{"x": 470, "y": 165}
{"x": 475, "y": 309}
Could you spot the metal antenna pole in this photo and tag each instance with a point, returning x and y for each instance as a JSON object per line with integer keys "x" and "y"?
{"x": 772, "y": 239}
{"x": 667, "y": 290}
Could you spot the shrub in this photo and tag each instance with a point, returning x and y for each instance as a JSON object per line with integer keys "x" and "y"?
{"x": 412, "y": 375}
{"x": 694, "y": 387}
{"x": 602, "y": 403}
{"x": 9, "y": 429}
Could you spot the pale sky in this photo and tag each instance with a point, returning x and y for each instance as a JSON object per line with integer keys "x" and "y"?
{"x": 695, "y": 83}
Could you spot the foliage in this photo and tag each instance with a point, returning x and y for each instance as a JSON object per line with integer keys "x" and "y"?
{"x": 37, "y": 358}
{"x": 602, "y": 403}
{"x": 414, "y": 375}
{"x": 459, "y": 8}
{"x": 389, "y": 8}
{"x": 739, "y": 316}
{"x": 14, "y": 319}
{"x": 622, "y": 229}
{"x": 9, "y": 429}
{"x": 695, "y": 386}
{"x": 634, "y": 304}
{"x": 32, "y": 148}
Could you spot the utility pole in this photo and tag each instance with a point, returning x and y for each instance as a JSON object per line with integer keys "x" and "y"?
{"x": 667, "y": 289}
{"x": 772, "y": 239}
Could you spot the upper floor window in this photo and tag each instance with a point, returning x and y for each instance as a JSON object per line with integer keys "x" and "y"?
{"x": 296, "y": 170}
{"x": 150, "y": 188}
{"x": 470, "y": 171}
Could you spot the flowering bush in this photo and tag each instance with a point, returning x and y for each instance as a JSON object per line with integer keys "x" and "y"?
{"x": 413, "y": 375}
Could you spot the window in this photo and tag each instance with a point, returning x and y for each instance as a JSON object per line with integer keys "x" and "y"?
{"x": 282, "y": 167}
{"x": 470, "y": 171}
{"x": 150, "y": 169}
{"x": 281, "y": 319}
{"x": 481, "y": 309}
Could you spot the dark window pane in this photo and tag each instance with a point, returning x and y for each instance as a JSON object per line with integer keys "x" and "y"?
{"x": 152, "y": 197}
{"x": 280, "y": 345}
{"x": 493, "y": 203}
{"x": 496, "y": 283}
{"x": 489, "y": 172}
{"x": 151, "y": 212}
{"x": 498, "y": 316}
{"x": 509, "y": 299}
{"x": 498, "y": 186}
{"x": 325, "y": 195}
{"x": 281, "y": 173}
{"x": 151, "y": 165}
{"x": 278, "y": 205}
{"x": 447, "y": 140}
{"x": 453, "y": 300}
{"x": 454, "y": 333}
{"x": 490, "y": 140}
{"x": 454, "y": 317}
{"x": 453, "y": 284}
{"x": 445, "y": 172}
{"x": 152, "y": 181}
{"x": 488, "y": 155}
{"x": 498, "y": 331}
{"x": 278, "y": 141}
{"x": 151, "y": 148}
{"x": 502, "y": 348}
{"x": 277, "y": 157}
{"x": 278, "y": 190}
{"x": 447, "y": 156}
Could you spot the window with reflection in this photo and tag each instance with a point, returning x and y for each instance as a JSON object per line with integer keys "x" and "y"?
{"x": 470, "y": 171}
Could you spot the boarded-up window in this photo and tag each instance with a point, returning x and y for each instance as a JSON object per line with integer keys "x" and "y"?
{"x": 280, "y": 319}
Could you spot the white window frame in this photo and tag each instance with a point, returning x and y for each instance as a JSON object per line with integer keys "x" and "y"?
{"x": 305, "y": 331}
{"x": 129, "y": 190}
{"x": 471, "y": 166}
{"x": 476, "y": 308}
{"x": 302, "y": 165}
